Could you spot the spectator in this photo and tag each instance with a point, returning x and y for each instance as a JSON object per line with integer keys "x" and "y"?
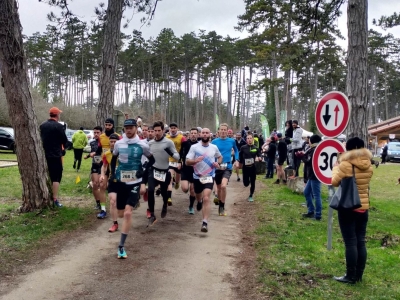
{"x": 384, "y": 154}
{"x": 255, "y": 140}
{"x": 282, "y": 154}
{"x": 271, "y": 153}
{"x": 54, "y": 142}
{"x": 353, "y": 223}
{"x": 313, "y": 185}
{"x": 297, "y": 143}
{"x": 79, "y": 141}
{"x": 261, "y": 141}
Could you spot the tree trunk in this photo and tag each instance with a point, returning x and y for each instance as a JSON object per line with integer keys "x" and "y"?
{"x": 276, "y": 93}
{"x": 357, "y": 16}
{"x": 371, "y": 95}
{"x": 214, "y": 99}
{"x": 30, "y": 154}
{"x": 109, "y": 60}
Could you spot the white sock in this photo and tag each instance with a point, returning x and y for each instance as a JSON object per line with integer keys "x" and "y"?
{"x": 205, "y": 221}
{"x": 103, "y": 207}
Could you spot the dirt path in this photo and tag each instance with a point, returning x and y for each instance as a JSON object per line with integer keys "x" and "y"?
{"x": 171, "y": 260}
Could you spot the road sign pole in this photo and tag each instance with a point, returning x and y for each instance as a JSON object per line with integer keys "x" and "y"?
{"x": 331, "y": 192}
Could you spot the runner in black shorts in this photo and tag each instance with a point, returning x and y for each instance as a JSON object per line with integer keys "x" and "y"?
{"x": 96, "y": 166}
{"x": 248, "y": 155}
{"x": 187, "y": 171}
{"x": 202, "y": 157}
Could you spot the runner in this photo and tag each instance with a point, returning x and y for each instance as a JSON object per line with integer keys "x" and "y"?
{"x": 175, "y": 165}
{"x": 161, "y": 148}
{"x": 248, "y": 155}
{"x": 128, "y": 176}
{"x": 145, "y": 132}
{"x": 202, "y": 157}
{"x": 95, "y": 172}
{"x": 112, "y": 186}
{"x": 187, "y": 171}
{"x": 239, "y": 143}
{"x": 225, "y": 145}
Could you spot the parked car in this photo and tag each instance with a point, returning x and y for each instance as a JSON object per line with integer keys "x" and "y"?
{"x": 89, "y": 134}
{"x": 69, "y": 133}
{"x": 393, "y": 151}
{"x": 7, "y": 141}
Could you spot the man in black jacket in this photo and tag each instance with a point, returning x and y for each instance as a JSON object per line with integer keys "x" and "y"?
{"x": 239, "y": 143}
{"x": 54, "y": 142}
{"x": 271, "y": 153}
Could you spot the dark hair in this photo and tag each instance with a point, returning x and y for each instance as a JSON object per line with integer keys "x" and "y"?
{"x": 250, "y": 133}
{"x": 81, "y": 128}
{"x": 272, "y": 139}
{"x": 288, "y": 122}
{"x": 195, "y": 128}
{"x": 158, "y": 124}
{"x": 173, "y": 124}
{"x": 114, "y": 136}
{"x": 295, "y": 122}
{"x": 53, "y": 115}
{"x": 98, "y": 128}
{"x": 150, "y": 127}
{"x": 246, "y": 128}
{"x": 315, "y": 138}
{"x": 354, "y": 143}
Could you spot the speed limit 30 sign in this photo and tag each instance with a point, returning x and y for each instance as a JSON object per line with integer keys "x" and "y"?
{"x": 325, "y": 157}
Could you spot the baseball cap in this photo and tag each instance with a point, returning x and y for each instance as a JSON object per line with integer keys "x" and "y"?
{"x": 279, "y": 135}
{"x": 173, "y": 125}
{"x": 110, "y": 121}
{"x": 130, "y": 122}
{"x": 55, "y": 110}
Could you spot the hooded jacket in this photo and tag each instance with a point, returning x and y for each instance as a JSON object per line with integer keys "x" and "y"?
{"x": 79, "y": 140}
{"x": 297, "y": 140}
{"x": 307, "y": 158}
{"x": 361, "y": 159}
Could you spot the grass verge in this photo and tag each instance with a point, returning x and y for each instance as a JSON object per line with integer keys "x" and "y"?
{"x": 22, "y": 235}
{"x": 294, "y": 262}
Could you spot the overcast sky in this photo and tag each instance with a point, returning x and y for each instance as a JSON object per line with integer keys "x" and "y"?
{"x": 183, "y": 16}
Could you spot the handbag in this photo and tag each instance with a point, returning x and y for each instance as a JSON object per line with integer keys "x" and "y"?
{"x": 346, "y": 196}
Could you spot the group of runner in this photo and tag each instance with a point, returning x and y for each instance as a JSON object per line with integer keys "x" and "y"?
{"x": 146, "y": 161}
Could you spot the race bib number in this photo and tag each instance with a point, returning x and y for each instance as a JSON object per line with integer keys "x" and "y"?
{"x": 223, "y": 166}
{"x": 248, "y": 161}
{"x": 97, "y": 159}
{"x": 159, "y": 175}
{"x": 105, "y": 150}
{"x": 173, "y": 164}
{"x": 128, "y": 176}
{"x": 206, "y": 179}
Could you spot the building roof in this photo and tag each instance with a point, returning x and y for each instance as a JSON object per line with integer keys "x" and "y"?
{"x": 385, "y": 127}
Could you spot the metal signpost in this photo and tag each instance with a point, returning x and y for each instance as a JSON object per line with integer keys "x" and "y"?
{"x": 332, "y": 115}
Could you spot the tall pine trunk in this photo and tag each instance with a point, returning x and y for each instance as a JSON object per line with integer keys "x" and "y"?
{"x": 357, "y": 16}
{"x": 109, "y": 60}
{"x": 30, "y": 153}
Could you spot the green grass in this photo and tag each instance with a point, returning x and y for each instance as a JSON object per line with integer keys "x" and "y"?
{"x": 22, "y": 233}
{"x": 294, "y": 262}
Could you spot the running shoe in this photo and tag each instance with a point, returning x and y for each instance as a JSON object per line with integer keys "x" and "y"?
{"x": 113, "y": 228}
{"x": 216, "y": 201}
{"x": 146, "y": 196}
{"x": 177, "y": 186}
{"x": 199, "y": 205}
{"x": 152, "y": 221}
{"x": 191, "y": 211}
{"x": 148, "y": 214}
{"x": 158, "y": 192}
{"x": 238, "y": 179}
{"x": 204, "y": 228}
{"x": 169, "y": 202}
{"x": 57, "y": 203}
{"x": 251, "y": 199}
{"x": 121, "y": 252}
{"x": 102, "y": 215}
{"x": 164, "y": 212}
{"x": 221, "y": 212}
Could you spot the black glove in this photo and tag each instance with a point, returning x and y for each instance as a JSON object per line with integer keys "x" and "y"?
{"x": 139, "y": 173}
{"x": 112, "y": 178}
{"x": 169, "y": 152}
{"x": 63, "y": 152}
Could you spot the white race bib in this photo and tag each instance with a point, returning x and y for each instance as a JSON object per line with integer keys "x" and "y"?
{"x": 173, "y": 164}
{"x": 206, "y": 179}
{"x": 159, "y": 175}
{"x": 223, "y": 166}
{"x": 128, "y": 176}
{"x": 248, "y": 161}
{"x": 97, "y": 159}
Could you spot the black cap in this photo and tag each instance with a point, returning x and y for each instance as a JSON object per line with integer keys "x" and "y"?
{"x": 279, "y": 135}
{"x": 109, "y": 120}
{"x": 114, "y": 136}
{"x": 130, "y": 122}
{"x": 173, "y": 125}
{"x": 81, "y": 128}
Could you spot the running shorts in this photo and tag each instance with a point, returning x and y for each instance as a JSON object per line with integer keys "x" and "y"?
{"x": 219, "y": 174}
{"x": 127, "y": 194}
{"x": 54, "y": 164}
{"x": 200, "y": 187}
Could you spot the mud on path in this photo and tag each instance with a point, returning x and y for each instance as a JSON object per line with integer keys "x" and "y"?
{"x": 170, "y": 260}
